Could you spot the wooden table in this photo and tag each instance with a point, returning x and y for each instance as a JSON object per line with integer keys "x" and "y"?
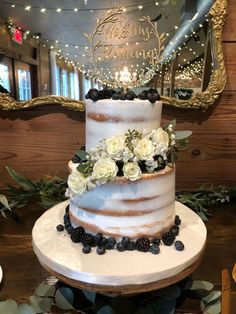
{"x": 23, "y": 273}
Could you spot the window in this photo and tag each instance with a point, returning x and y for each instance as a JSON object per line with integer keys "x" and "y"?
{"x": 72, "y": 85}
{"x": 57, "y": 77}
{"x": 23, "y": 81}
{"x": 4, "y": 77}
{"x": 64, "y": 83}
{"x": 24, "y": 84}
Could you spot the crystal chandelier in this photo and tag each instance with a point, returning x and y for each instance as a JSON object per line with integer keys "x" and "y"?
{"x": 125, "y": 78}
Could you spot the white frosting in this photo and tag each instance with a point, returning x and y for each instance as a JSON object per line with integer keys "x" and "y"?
{"x": 125, "y": 208}
{"x": 106, "y": 118}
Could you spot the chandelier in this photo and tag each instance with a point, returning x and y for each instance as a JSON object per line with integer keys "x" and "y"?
{"x": 125, "y": 78}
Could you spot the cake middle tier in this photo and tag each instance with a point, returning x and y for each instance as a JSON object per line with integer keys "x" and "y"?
{"x": 142, "y": 208}
{"x": 106, "y": 118}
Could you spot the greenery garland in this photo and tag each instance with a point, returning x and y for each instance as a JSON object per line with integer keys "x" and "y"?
{"x": 51, "y": 190}
{"x": 60, "y": 298}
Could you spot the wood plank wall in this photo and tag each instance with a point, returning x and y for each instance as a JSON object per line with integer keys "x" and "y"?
{"x": 40, "y": 141}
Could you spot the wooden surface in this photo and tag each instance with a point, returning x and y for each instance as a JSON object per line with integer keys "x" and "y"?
{"x": 23, "y": 273}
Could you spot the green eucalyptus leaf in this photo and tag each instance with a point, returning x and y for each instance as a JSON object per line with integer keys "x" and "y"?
{"x": 82, "y": 168}
{"x": 213, "y": 296}
{"x": 201, "y": 288}
{"x": 8, "y": 306}
{"x": 179, "y": 135}
{"x": 214, "y": 308}
{"x": 25, "y": 309}
{"x": 90, "y": 295}
{"x": 23, "y": 181}
{"x": 40, "y": 305}
{"x": 172, "y": 292}
{"x": 123, "y": 305}
{"x": 44, "y": 290}
{"x": 106, "y": 309}
{"x": 4, "y": 201}
{"x": 64, "y": 298}
{"x": 201, "y": 285}
{"x": 81, "y": 154}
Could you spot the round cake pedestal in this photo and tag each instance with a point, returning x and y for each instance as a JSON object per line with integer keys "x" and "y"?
{"x": 116, "y": 272}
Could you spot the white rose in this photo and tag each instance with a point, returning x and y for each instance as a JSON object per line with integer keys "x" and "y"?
{"x": 132, "y": 171}
{"x": 115, "y": 146}
{"x": 160, "y": 136}
{"x": 144, "y": 149}
{"x": 76, "y": 183}
{"x": 103, "y": 170}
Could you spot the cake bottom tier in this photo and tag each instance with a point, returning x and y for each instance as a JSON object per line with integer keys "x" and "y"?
{"x": 124, "y": 208}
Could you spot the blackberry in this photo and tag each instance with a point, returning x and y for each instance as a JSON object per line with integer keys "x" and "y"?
{"x": 98, "y": 239}
{"x": 143, "y": 244}
{"x": 154, "y": 249}
{"x": 93, "y": 94}
{"x": 122, "y": 96}
{"x": 168, "y": 238}
{"x": 86, "y": 249}
{"x": 175, "y": 230}
{"x": 129, "y": 96}
{"x": 177, "y": 220}
{"x": 79, "y": 231}
{"x": 108, "y": 246}
{"x": 111, "y": 241}
{"x": 74, "y": 236}
{"x": 116, "y": 96}
{"x": 131, "y": 246}
{"x": 156, "y": 241}
{"x": 70, "y": 229}
{"x": 179, "y": 246}
{"x": 152, "y": 97}
{"x": 103, "y": 241}
{"x": 67, "y": 210}
{"x": 125, "y": 241}
{"x": 66, "y": 218}
{"x": 87, "y": 239}
{"x": 60, "y": 228}
{"x": 87, "y": 96}
{"x": 101, "y": 250}
{"x": 120, "y": 247}
{"x": 142, "y": 96}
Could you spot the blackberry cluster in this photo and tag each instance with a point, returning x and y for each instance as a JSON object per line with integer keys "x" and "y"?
{"x": 168, "y": 238}
{"x": 143, "y": 244}
{"x": 151, "y": 94}
{"x": 130, "y": 95}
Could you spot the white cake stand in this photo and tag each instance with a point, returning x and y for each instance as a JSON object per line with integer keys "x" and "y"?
{"x": 117, "y": 272}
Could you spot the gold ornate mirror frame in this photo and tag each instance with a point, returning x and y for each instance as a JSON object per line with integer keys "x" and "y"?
{"x": 201, "y": 100}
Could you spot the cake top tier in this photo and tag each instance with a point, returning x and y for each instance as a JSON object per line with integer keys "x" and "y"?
{"x": 107, "y": 117}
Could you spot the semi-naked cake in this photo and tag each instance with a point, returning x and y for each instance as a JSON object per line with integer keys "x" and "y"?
{"x": 140, "y": 204}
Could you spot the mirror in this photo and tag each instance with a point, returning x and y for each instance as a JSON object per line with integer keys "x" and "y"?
{"x": 187, "y": 67}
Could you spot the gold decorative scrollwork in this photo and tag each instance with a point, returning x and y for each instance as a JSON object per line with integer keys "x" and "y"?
{"x": 217, "y": 82}
{"x": 9, "y": 103}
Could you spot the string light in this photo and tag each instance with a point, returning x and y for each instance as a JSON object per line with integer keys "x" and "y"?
{"x": 27, "y": 8}
{"x": 43, "y": 10}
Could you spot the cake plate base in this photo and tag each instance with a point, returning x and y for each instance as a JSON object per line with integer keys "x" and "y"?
{"x": 116, "y": 272}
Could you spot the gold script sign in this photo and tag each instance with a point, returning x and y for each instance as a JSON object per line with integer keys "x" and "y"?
{"x": 110, "y": 29}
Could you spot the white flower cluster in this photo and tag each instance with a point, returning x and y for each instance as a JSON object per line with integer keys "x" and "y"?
{"x": 104, "y": 158}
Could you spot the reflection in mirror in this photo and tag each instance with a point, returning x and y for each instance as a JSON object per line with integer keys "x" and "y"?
{"x": 174, "y": 46}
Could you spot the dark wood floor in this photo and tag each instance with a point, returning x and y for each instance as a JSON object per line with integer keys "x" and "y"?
{"x": 22, "y": 272}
